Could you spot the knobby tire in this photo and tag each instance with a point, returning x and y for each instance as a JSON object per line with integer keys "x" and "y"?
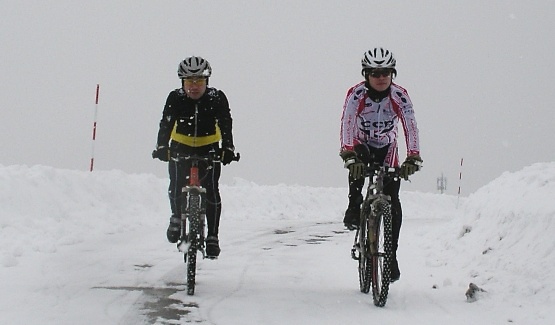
{"x": 364, "y": 262}
{"x": 194, "y": 215}
{"x": 381, "y": 231}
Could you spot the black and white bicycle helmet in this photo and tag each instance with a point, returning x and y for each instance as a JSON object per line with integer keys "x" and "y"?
{"x": 378, "y": 58}
{"x": 194, "y": 66}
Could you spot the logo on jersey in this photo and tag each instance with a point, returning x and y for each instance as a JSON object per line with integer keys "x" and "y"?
{"x": 376, "y": 128}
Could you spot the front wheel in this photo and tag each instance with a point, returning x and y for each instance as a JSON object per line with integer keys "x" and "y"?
{"x": 191, "y": 268}
{"x": 194, "y": 218}
{"x": 381, "y": 247}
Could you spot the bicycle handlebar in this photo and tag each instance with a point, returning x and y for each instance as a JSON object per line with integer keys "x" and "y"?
{"x": 211, "y": 157}
{"x": 375, "y": 168}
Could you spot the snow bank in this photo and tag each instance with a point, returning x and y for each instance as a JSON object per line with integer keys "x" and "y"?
{"x": 504, "y": 236}
{"x": 43, "y": 208}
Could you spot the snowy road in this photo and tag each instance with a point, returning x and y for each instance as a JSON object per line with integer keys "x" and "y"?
{"x": 91, "y": 249}
{"x": 303, "y": 274}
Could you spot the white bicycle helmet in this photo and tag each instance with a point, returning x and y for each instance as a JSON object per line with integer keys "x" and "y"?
{"x": 194, "y": 66}
{"x": 378, "y": 58}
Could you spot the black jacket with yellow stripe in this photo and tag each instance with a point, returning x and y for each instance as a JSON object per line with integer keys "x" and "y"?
{"x": 196, "y": 123}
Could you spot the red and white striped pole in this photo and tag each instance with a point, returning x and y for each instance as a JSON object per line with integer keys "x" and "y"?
{"x": 94, "y": 126}
{"x": 460, "y": 180}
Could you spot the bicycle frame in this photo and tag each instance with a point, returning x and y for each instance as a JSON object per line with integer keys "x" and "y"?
{"x": 193, "y": 208}
{"x": 193, "y": 214}
{"x": 373, "y": 239}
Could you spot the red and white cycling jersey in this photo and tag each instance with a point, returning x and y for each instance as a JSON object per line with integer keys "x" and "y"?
{"x": 376, "y": 124}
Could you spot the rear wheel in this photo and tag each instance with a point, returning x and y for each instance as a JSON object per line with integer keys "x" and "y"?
{"x": 381, "y": 250}
{"x": 364, "y": 262}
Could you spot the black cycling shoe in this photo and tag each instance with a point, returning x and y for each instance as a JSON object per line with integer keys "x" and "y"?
{"x": 352, "y": 218}
{"x": 351, "y": 226}
{"x": 212, "y": 247}
{"x": 395, "y": 273}
{"x": 174, "y": 230}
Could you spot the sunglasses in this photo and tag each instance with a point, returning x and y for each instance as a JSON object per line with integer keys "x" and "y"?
{"x": 194, "y": 81}
{"x": 376, "y": 73}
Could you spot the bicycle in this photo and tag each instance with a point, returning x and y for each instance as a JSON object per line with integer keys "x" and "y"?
{"x": 193, "y": 214}
{"x": 373, "y": 245}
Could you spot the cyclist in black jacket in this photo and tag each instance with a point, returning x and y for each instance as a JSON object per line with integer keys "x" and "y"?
{"x": 194, "y": 121}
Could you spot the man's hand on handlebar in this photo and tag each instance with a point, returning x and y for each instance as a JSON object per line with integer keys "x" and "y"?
{"x": 227, "y": 155}
{"x": 411, "y": 165}
{"x": 162, "y": 153}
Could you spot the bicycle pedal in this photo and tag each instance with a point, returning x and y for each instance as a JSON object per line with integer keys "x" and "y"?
{"x": 351, "y": 227}
{"x": 354, "y": 255}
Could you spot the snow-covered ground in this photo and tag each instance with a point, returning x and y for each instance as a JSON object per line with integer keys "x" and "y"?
{"x": 90, "y": 248}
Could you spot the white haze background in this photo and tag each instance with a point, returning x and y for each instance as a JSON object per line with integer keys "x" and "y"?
{"x": 80, "y": 247}
{"x": 90, "y": 248}
{"x": 479, "y": 73}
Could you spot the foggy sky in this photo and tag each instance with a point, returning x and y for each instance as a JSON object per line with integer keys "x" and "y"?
{"x": 479, "y": 74}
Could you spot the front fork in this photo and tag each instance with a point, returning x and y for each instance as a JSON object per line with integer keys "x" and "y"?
{"x": 367, "y": 219}
{"x": 194, "y": 207}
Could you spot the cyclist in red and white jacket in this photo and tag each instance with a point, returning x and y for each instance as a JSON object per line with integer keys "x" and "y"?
{"x": 369, "y": 128}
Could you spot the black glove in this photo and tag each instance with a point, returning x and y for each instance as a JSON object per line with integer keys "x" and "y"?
{"x": 227, "y": 155}
{"x": 162, "y": 153}
{"x": 411, "y": 165}
{"x": 353, "y": 163}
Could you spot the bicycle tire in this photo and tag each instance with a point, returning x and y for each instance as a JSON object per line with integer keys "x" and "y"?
{"x": 364, "y": 261}
{"x": 382, "y": 251}
{"x": 193, "y": 238}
